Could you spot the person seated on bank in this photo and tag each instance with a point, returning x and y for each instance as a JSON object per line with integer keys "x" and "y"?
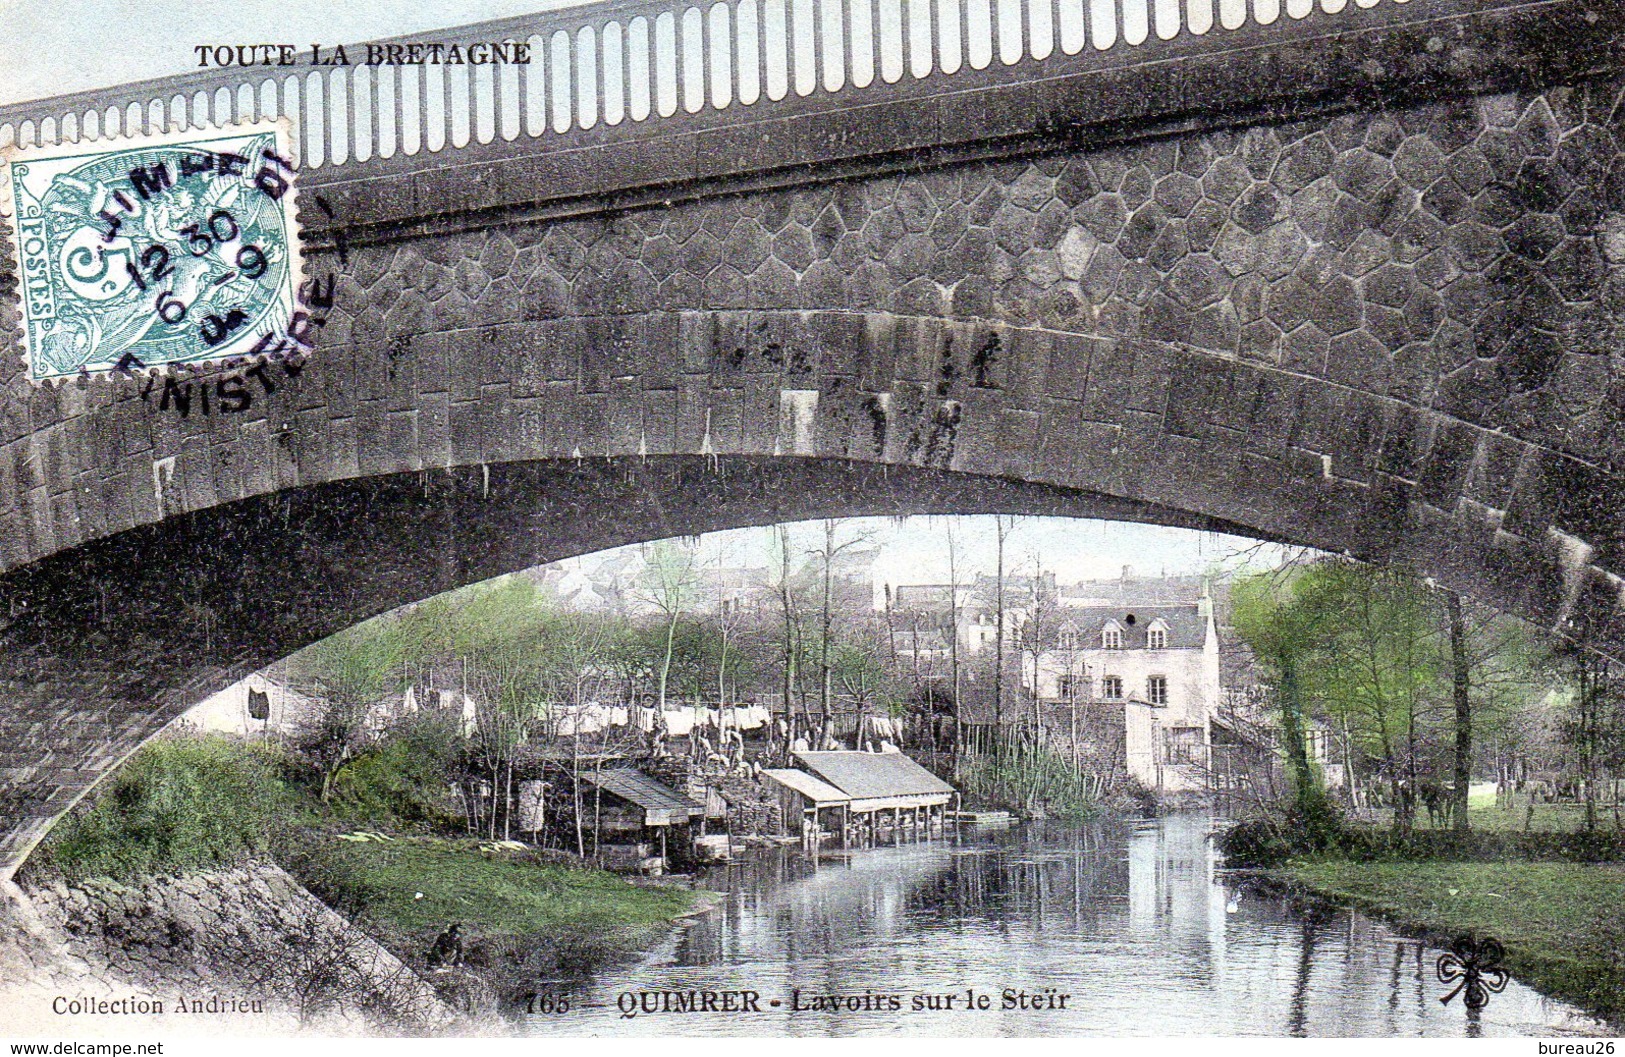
{"x": 447, "y": 951}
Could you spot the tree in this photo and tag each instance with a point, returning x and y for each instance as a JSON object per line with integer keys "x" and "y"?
{"x": 1039, "y": 637}
{"x": 1380, "y": 659}
{"x": 864, "y": 666}
{"x": 1001, "y": 531}
{"x": 507, "y": 698}
{"x": 1591, "y": 726}
{"x": 1496, "y": 670}
{"x": 790, "y": 639}
{"x": 826, "y": 557}
{"x": 953, "y": 636}
{"x": 1461, "y": 695}
{"x": 1284, "y": 634}
{"x": 352, "y": 670}
{"x": 669, "y": 583}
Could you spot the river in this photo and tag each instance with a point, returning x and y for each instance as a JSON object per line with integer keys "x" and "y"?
{"x": 1134, "y": 923}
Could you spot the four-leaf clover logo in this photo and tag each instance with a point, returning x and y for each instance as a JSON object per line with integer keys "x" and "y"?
{"x": 1475, "y": 968}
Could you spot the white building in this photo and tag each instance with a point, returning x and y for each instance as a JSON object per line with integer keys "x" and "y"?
{"x": 258, "y": 704}
{"x": 1159, "y": 663}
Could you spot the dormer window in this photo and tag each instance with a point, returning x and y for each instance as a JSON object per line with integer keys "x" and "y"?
{"x": 1069, "y": 638}
{"x": 1156, "y": 639}
{"x": 1111, "y": 636}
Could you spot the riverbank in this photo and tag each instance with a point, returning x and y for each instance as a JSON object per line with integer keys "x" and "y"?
{"x": 518, "y": 914}
{"x": 1562, "y": 924}
{"x": 521, "y": 913}
{"x": 247, "y": 949}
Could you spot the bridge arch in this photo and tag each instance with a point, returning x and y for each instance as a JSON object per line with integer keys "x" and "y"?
{"x": 107, "y": 643}
{"x": 110, "y": 641}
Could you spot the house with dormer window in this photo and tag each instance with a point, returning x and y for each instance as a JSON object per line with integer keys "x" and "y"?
{"x": 1152, "y": 670}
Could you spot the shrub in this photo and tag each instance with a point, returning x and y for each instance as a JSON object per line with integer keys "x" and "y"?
{"x": 1271, "y": 839}
{"x": 179, "y": 804}
{"x": 1371, "y": 845}
{"x": 1255, "y": 842}
{"x": 402, "y": 781}
{"x": 1299, "y": 828}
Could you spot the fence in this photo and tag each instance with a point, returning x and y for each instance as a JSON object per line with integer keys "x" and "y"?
{"x": 625, "y": 64}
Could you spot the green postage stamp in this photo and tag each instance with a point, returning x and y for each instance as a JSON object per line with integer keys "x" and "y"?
{"x": 138, "y": 254}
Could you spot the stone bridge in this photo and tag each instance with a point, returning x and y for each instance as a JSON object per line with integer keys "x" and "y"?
{"x": 1349, "y": 275}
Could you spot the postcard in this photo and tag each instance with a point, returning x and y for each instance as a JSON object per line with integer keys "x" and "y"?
{"x": 812, "y": 518}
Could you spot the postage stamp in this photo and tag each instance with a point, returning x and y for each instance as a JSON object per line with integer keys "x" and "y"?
{"x": 139, "y": 254}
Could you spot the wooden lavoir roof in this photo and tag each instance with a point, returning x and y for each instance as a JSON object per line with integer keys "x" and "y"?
{"x": 813, "y": 789}
{"x": 873, "y": 775}
{"x": 661, "y": 805}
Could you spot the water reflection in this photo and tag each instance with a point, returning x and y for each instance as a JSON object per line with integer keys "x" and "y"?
{"x": 1133, "y": 923}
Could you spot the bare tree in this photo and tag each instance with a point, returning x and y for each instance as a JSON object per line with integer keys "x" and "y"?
{"x": 953, "y": 634}
{"x": 790, "y": 640}
{"x": 826, "y": 638}
{"x": 575, "y": 673}
{"x": 1001, "y": 527}
{"x": 670, "y": 584}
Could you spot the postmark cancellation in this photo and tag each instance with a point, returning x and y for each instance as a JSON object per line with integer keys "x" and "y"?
{"x": 142, "y": 254}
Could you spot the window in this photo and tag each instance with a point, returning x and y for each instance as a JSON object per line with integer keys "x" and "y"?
{"x": 1183, "y": 745}
{"x": 1111, "y": 688}
{"x": 1156, "y": 639}
{"x": 1156, "y": 689}
{"x": 1068, "y": 686}
{"x": 259, "y": 704}
{"x": 1111, "y": 638}
{"x": 1069, "y": 638}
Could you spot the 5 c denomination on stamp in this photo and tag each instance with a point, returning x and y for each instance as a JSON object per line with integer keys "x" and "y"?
{"x": 142, "y": 253}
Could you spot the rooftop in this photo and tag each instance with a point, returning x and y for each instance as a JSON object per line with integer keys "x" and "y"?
{"x": 869, "y": 775}
{"x": 638, "y": 788}
{"x": 1187, "y": 627}
{"x": 819, "y": 792}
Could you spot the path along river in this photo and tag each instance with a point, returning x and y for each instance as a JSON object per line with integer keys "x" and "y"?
{"x": 1135, "y": 923}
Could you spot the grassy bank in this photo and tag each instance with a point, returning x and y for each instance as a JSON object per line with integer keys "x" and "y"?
{"x": 405, "y": 891}
{"x": 1562, "y": 924}
{"x": 185, "y": 804}
{"x": 179, "y": 805}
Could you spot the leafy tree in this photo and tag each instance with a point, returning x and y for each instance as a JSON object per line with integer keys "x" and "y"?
{"x": 352, "y": 670}
{"x": 405, "y": 778}
{"x": 1593, "y": 724}
{"x": 1381, "y": 662}
{"x": 1284, "y": 634}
